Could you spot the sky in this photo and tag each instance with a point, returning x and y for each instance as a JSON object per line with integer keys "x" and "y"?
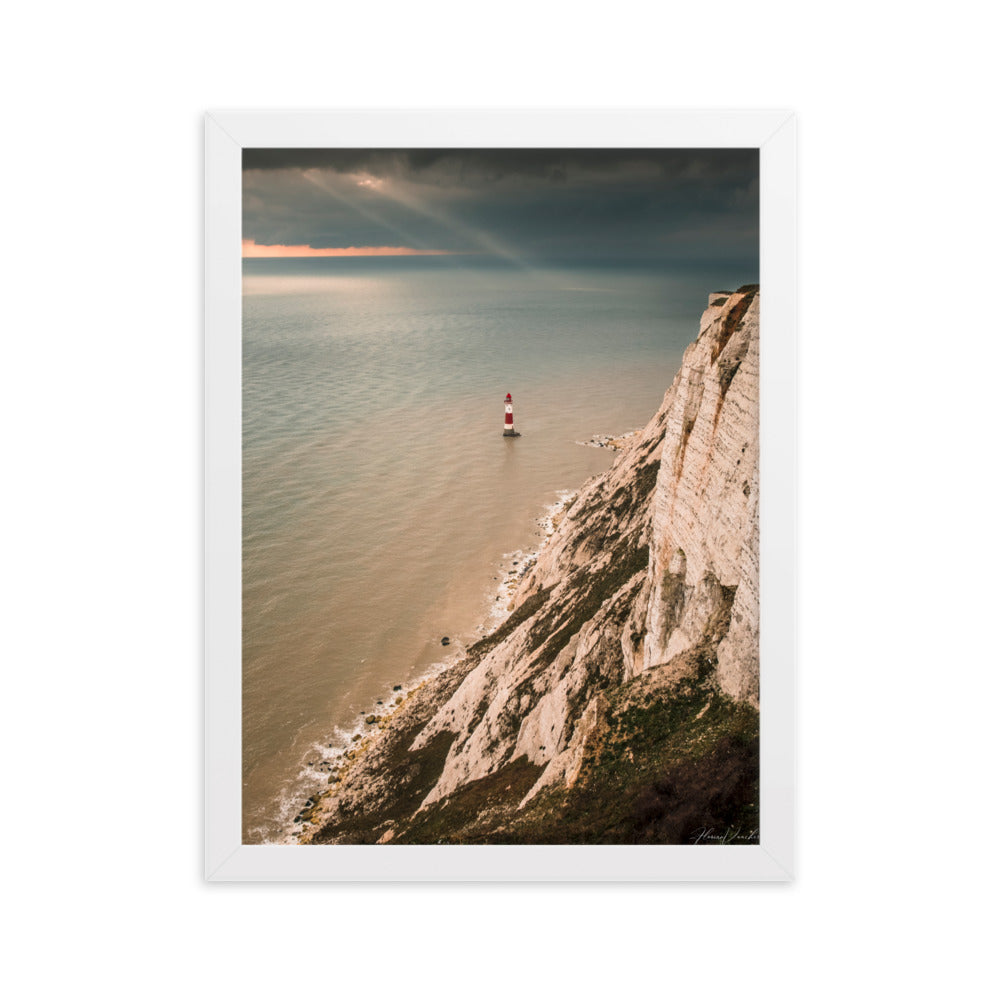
{"x": 527, "y": 206}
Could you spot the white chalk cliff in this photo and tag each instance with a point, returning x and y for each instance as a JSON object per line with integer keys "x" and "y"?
{"x": 654, "y": 567}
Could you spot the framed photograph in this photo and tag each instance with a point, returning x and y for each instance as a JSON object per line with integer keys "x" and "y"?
{"x": 500, "y": 496}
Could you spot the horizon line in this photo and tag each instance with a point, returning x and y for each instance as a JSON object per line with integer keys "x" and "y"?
{"x": 252, "y": 249}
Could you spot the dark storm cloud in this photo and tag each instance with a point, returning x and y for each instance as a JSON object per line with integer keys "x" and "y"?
{"x": 528, "y": 204}
{"x": 554, "y": 164}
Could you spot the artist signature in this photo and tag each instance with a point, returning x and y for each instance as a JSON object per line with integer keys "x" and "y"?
{"x": 708, "y": 835}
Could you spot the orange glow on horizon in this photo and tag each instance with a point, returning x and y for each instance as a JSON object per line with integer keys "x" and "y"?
{"x": 253, "y": 249}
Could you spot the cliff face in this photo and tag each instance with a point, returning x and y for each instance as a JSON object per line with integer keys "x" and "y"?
{"x": 705, "y": 509}
{"x": 618, "y": 701}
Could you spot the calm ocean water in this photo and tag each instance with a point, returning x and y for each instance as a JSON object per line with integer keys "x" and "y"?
{"x": 379, "y": 496}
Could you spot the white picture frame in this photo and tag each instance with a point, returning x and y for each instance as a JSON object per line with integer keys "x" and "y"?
{"x": 227, "y": 133}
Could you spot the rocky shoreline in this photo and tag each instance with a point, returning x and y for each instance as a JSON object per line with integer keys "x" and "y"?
{"x": 611, "y": 441}
{"x": 308, "y": 819}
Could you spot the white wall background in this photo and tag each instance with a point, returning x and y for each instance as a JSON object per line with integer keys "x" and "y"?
{"x": 101, "y": 407}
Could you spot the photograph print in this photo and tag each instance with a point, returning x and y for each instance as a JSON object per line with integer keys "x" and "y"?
{"x": 500, "y": 530}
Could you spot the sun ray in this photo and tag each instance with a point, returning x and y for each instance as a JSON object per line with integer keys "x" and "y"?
{"x": 314, "y": 177}
{"x": 485, "y": 240}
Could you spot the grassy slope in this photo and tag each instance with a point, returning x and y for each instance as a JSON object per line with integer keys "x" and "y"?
{"x": 672, "y": 764}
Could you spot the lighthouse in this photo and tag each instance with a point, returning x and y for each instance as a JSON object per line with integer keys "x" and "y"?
{"x": 508, "y": 419}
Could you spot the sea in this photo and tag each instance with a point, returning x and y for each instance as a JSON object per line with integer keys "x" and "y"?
{"x": 382, "y": 506}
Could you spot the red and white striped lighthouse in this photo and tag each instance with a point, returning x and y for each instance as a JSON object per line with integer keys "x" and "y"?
{"x": 508, "y": 418}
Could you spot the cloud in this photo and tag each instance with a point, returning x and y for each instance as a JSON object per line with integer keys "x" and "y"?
{"x": 526, "y": 205}
{"x": 493, "y": 165}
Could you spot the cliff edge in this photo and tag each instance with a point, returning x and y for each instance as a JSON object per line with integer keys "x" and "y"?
{"x": 618, "y": 702}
